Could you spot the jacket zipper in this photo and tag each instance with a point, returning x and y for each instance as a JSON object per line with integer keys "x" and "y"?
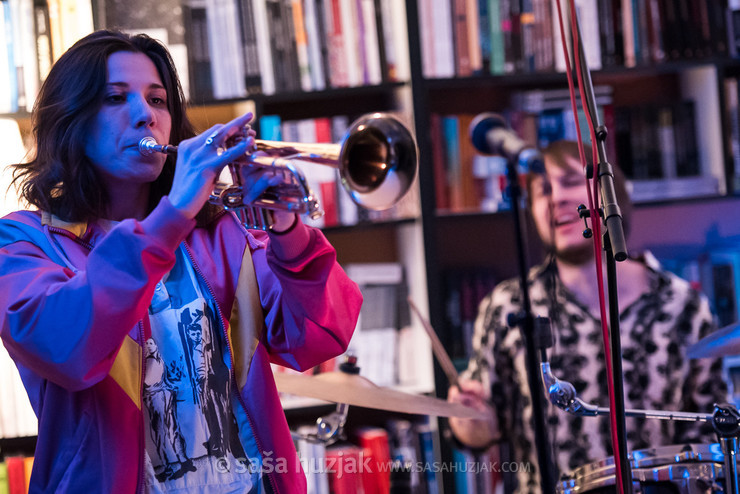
{"x": 140, "y": 484}
{"x": 232, "y": 372}
{"x": 140, "y": 487}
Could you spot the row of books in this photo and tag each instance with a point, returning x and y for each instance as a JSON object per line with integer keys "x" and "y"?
{"x": 324, "y": 180}
{"x": 464, "y": 290}
{"x": 732, "y": 126}
{"x": 34, "y": 33}
{"x": 461, "y": 38}
{"x": 223, "y": 49}
{"x": 15, "y": 473}
{"x": 376, "y": 341}
{"x": 239, "y": 48}
{"x": 17, "y": 418}
{"x": 656, "y": 145}
{"x": 373, "y": 460}
{"x": 715, "y": 271}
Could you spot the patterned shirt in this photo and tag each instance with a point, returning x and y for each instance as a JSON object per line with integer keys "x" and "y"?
{"x": 656, "y": 330}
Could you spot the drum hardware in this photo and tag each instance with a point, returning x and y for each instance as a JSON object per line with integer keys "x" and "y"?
{"x": 352, "y": 389}
{"x": 675, "y": 469}
{"x": 725, "y": 419}
{"x": 721, "y": 343}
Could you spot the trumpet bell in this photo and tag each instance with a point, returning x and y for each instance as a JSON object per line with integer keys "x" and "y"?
{"x": 378, "y": 161}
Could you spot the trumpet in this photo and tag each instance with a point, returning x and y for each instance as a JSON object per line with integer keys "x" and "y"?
{"x": 376, "y": 159}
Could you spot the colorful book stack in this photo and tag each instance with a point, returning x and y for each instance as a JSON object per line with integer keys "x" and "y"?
{"x": 15, "y": 473}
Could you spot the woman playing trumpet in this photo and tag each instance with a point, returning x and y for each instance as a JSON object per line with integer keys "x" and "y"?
{"x": 142, "y": 319}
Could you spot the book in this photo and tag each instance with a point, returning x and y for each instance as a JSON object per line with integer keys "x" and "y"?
{"x": 429, "y": 453}
{"x": 315, "y": 41}
{"x": 543, "y": 36}
{"x": 375, "y": 341}
{"x": 395, "y": 40}
{"x": 27, "y": 469}
{"x": 470, "y": 198}
{"x": 718, "y": 17}
{"x": 451, "y": 139}
{"x": 460, "y": 28}
{"x": 16, "y": 475}
{"x": 732, "y": 127}
{"x": 438, "y": 162}
{"x": 312, "y": 455}
{"x": 282, "y": 45}
{"x": 343, "y": 467}
{"x": 723, "y": 287}
{"x": 351, "y": 42}
{"x": 370, "y": 49}
{"x": 338, "y": 63}
{"x": 4, "y": 489}
{"x": 76, "y": 21}
{"x": 527, "y": 28}
{"x": 250, "y": 48}
{"x": 270, "y": 128}
{"x": 263, "y": 38}
{"x": 17, "y": 418}
{"x": 404, "y": 447}
{"x": 198, "y": 51}
{"x": 436, "y": 27}
{"x": 376, "y": 449}
{"x": 497, "y": 37}
{"x": 301, "y": 45}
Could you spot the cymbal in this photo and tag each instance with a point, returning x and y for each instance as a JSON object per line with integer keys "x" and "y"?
{"x": 352, "y": 389}
{"x": 721, "y": 343}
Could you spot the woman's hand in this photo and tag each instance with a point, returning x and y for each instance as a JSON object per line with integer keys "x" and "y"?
{"x": 200, "y": 160}
{"x": 475, "y": 433}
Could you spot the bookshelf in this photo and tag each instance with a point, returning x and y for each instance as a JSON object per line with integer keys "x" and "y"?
{"x": 431, "y": 67}
{"x": 391, "y": 237}
{"x": 676, "y": 214}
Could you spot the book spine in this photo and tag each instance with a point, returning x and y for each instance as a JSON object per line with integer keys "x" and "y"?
{"x": 264, "y": 55}
{"x": 370, "y": 42}
{"x": 252, "y": 75}
{"x": 199, "y": 60}
{"x": 316, "y": 44}
{"x": 338, "y": 62}
{"x": 463, "y": 67}
{"x": 527, "y": 26}
{"x": 498, "y": 58}
{"x": 351, "y": 50}
{"x": 301, "y": 45}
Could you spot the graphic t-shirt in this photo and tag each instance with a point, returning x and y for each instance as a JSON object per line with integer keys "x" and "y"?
{"x": 192, "y": 441}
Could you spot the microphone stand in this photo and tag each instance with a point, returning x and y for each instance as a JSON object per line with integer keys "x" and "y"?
{"x": 525, "y": 321}
{"x": 615, "y": 245}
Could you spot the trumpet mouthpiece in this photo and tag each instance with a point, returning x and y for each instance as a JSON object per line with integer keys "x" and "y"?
{"x": 148, "y": 145}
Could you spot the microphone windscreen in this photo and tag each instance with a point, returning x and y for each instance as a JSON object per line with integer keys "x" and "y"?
{"x": 480, "y": 127}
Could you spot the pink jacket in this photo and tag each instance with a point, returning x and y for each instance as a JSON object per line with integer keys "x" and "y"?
{"x": 74, "y": 306}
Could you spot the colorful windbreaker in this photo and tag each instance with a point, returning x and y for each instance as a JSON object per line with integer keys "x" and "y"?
{"x": 74, "y": 303}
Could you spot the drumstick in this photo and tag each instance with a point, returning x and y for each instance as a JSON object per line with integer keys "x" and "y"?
{"x": 439, "y": 351}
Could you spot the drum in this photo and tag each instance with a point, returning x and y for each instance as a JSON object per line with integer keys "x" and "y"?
{"x": 686, "y": 469}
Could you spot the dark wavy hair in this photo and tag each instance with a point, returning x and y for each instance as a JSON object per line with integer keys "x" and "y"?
{"x": 59, "y": 178}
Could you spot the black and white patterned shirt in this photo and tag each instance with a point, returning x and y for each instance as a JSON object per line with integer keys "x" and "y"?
{"x": 655, "y": 332}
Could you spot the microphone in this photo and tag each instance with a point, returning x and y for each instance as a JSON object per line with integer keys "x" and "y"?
{"x": 490, "y": 134}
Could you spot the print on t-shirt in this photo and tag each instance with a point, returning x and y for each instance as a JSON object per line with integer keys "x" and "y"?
{"x": 186, "y": 395}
